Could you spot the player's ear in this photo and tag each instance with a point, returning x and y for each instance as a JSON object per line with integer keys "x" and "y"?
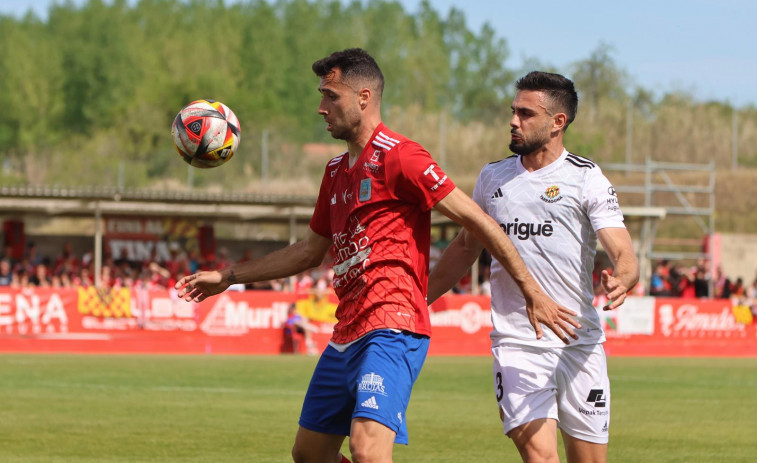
{"x": 559, "y": 121}
{"x": 364, "y": 97}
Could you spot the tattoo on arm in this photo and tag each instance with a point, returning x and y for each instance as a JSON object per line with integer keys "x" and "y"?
{"x": 232, "y": 279}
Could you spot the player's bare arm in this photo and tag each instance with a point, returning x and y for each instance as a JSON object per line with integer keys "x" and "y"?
{"x": 618, "y": 281}
{"x": 541, "y": 309}
{"x": 461, "y": 253}
{"x": 285, "y": 262}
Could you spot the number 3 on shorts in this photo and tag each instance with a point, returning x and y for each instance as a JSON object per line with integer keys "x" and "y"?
{"x": 500, "y": 391}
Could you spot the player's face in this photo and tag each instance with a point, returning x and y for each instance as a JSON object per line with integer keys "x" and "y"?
{"x": 531, "y": 124}
{"x": 340, "y": 106}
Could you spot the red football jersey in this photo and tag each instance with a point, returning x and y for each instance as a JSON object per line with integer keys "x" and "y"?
{"x": 378, "y": 215}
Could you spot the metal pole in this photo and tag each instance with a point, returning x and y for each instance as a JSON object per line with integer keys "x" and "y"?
{"x": 735, "y": 141}
{"x": 475, "y": 288}
{"x": 443, "y": 139}
{"x": 646, "y": 227}
{"x": 292, "y": 240}
{"x": 629, "y": 131}
{"x": 264, "y": 153}
{"x": 120, "y": 176}
{"x": 98, "y": 244}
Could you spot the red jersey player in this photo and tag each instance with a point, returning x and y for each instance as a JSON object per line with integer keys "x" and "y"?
{"x": 373, "y": 213}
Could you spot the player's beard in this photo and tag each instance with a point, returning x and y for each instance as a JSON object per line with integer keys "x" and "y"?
{"x": 348, "y": 128}
{"x": 531, "y": 144}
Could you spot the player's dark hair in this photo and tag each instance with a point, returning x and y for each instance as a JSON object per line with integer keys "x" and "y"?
{"x": 355, "y": 64}
{"x": 558, "y": 89}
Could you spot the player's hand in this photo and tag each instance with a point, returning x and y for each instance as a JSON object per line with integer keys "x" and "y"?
{"x": 542, "y": 310}
{"x": 615, "y": 289}
{"x": 201, "y": 285}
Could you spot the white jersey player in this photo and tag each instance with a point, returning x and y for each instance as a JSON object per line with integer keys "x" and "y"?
{"x": 554, "y": 205}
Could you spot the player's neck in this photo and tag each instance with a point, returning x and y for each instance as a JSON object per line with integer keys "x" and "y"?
{"x": 543, "y": 157}
{"x": 362, "y": 137}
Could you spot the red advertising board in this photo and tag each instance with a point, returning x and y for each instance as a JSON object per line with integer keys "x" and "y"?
{"x": 86, "y": 320}
{"x": 682, "y": 327}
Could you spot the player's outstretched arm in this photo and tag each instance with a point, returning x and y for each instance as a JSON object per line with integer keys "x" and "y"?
{"x": 285, "y": 262}
{"x": 618, "y": 281}
{"x": 453, "y": 264}
{"x": 541, "y": 309}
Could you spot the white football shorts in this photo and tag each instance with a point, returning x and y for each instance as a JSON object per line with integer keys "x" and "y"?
{"x": 568, "y": 384}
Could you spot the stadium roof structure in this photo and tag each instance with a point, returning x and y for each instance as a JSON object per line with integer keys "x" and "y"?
{"x": 94, "y": 202}
{"x": 91, "y": 201}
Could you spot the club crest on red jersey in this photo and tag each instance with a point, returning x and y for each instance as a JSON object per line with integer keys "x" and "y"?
{"x": 365, "y": 190}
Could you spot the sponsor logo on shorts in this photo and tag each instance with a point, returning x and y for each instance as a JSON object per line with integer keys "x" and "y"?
{"x": 605, "y": 428}
{"x": 370, "y": 403}
{"x": 373, "y": 383}
{"x": 597, "y": 397}
{"x": 586, "y": 412}
{"x": 399, "y": 416}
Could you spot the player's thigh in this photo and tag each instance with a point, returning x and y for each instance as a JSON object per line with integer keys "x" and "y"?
{"x": 329, "y": 400}
{"x": 581, "y": 451}
{"x": 316, "y": 447}
{"x": 584, "y": 394}
{"x": 371, "y": 441}
{"x": 386, "y": 372}
{"x": 536, "y": 440}
{"x": 524, "y": 385}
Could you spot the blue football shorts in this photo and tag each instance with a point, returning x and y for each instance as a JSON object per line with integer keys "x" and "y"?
{"x": 372, "y": 379}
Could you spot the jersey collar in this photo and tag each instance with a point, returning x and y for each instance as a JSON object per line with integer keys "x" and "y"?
{"x": 544, "y": 170}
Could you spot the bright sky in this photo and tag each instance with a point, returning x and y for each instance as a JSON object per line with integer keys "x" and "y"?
{"x": 705, "y": 47}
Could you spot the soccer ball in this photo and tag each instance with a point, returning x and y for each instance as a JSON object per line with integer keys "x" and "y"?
{"x": 206, "y": 133}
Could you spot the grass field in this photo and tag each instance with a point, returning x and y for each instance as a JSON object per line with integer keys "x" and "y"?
{"x": 73, "y": 408}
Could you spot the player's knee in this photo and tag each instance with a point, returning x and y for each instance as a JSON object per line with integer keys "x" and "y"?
{"x": 363, "y": 451}
{"x": 300, "y": 454}
{"x": 536, "y": 455}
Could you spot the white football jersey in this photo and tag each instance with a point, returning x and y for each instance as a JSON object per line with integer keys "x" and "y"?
{"x": 551, "y": 216}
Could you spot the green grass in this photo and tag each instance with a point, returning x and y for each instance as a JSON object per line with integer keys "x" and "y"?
{"x": 74, "y": 408}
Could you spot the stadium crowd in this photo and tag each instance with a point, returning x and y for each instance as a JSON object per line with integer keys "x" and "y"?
{"x": 68, "y": 269}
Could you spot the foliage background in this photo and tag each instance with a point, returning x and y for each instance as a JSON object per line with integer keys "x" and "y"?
{"x": 90, "y": 93}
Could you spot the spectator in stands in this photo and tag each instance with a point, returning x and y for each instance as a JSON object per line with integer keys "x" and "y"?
{"x": 751, "y": 293}
{"x": 485, "y": 284}
{"x": 123, "y": 263}
{"x": 106, "y": 277}
{"x": 738, "y": 290}
{"x": 32, "y": 254}
{"x": 280, "y": 284}
{"x": 177, "y": 262}
{"x": 297, "y": 332}
{"x": 464, "y": 285}
{"x": 160, "y": 278}
{"x": 20, "y": 279}
{"x": 84, "y": 278}
{"x": 8, "y": 254}
{"x": 660, "y": 284}
{"x": 701, "y": 285}
{"x": 192, "y": 261}
{"x": 6, "y": 274}
{"x": 247, "y": 256}
{"x": 721, "y": 284}
{"x": 685, "y": 282}
{"x": 66, "y": 261}
{"x": 41, "y": 277}
{"x": 223, "y": 258}
{"x": 210, "y": 262}
{"x": 304, "y": 284}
